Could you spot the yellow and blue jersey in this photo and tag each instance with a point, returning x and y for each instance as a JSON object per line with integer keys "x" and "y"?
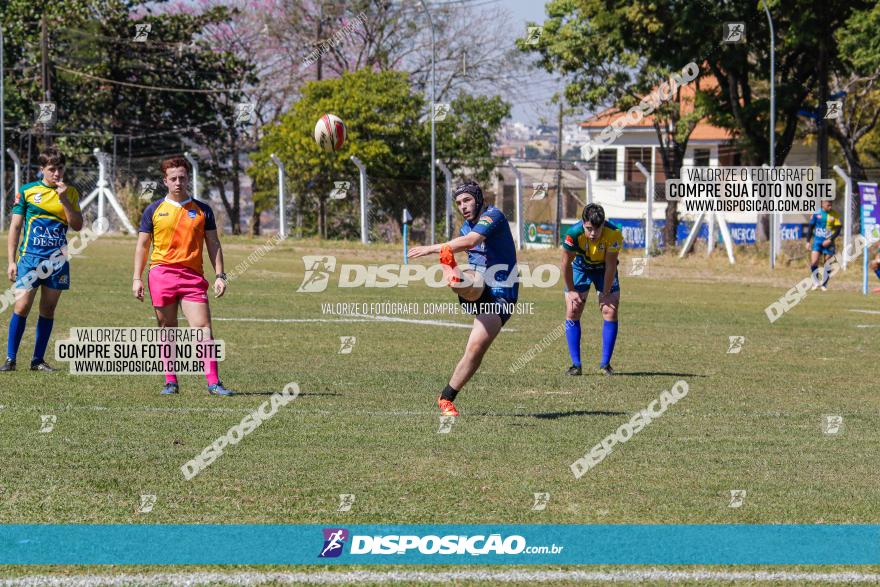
{"x": 591, "y": 255}
{"x": 824, "y": 224}
{"x": 45, "y": 223}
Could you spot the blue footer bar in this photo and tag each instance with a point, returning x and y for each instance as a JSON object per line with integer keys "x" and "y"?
{"x": 624, "y": 544}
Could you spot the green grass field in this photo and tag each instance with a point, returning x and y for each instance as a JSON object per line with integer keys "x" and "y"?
{"x": 366, "y": 423}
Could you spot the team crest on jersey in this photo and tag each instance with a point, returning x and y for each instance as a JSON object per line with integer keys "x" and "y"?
{"x": 191, "y": 213}
{"x": 62, "y": 279}
{"x": 38, "y": 198}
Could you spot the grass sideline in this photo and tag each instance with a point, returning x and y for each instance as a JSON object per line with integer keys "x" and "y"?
{"x": 366, "y": 422}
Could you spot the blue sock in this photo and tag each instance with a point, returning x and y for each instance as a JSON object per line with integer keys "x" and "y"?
{"x": 877, "y": 272}
{"x": 609, "y": 337}
{"x": 16, "y": 331}
{"x": 573, "y": 336}
{"x": 44, "y": 330}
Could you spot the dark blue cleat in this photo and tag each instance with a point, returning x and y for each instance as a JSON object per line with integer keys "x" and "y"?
{"x": 218, "y": 389}
{"x": 170, "y": 389}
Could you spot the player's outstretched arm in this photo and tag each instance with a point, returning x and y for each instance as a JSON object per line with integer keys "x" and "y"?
{"x": 461, "y": 243}
{"x": 12, "y": 243}
{"x": 215, "y": 254}
{"x": 141, "y": 250}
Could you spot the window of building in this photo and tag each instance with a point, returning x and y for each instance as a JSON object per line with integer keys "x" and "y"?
{"x": 607, "y": 164}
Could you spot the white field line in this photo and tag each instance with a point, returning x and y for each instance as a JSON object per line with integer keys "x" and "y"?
{"x": 865, "y": 311}
{"x": 358, "y": 318}
{"x": 329, "y": 577}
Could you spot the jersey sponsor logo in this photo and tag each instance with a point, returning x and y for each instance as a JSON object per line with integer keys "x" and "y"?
{"x": 615, "y": 245}
{"x": 485, "y": 221}
{"x": 163, "y": 214}
{"x": 569, "y": 241}
{"x": 192, "y": 213}
{"x": 63, "y": 279}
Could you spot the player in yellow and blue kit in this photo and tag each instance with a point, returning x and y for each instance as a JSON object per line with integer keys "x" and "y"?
{"x": 589, "y": 257}
{"x": 46, "y": 209}
{"x": 823, "y": 228}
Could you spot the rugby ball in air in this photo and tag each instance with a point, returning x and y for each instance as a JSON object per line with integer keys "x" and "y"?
{"x": 330, "y": 133}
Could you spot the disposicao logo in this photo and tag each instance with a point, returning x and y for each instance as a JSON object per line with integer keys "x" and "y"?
{"x": 334, "y": 540}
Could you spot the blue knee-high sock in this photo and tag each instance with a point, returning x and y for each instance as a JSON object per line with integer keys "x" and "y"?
{"x": 877, "y": 273}
{"x": 44, "y": 330}
{"x": 609, "y": 337}
{"x": 573, "y": 336}
{"x": 16, "y": 331}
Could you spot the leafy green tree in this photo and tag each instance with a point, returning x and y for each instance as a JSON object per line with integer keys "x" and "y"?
{"x": 388, "y": 131}
{"x": 466, "y": 136}
{"x": 857, "y": 76}
{"x": 591, "y": 42}
{"x": 613, "y": 40}
{"x": 382, "y": 117}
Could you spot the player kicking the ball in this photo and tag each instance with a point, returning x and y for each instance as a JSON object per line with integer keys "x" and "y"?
{"x": 589, "y": 257}
{"x": 47, "y": 208}
{"x": 485, "y": 235}
{"x": 178, "y": 226}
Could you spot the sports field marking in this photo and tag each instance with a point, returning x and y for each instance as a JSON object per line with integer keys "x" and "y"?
{"x": 412, "y": 577}
{"x": 867, "y": 325}
{"x": 228, "y": 410}
{"x": 864, "y": 311}
{"x": 359, "y": 318}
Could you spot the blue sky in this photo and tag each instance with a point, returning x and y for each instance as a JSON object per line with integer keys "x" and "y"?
{"x": 530, "y": 107}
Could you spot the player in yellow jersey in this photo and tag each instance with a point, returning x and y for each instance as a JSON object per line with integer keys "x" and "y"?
{"x": 45, "y": 209}
{"x": 823, "y": 228}
{"x": 589, "y": 257}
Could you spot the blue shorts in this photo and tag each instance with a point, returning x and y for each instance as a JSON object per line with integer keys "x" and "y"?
{"x": 44, "y": 273}
{"x": 583, "y": 278}
{"x": 817, "y": 246}
{"x": 493, "y": 300}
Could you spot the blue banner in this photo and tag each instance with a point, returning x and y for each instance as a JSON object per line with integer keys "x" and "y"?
{"x": 484, "y": 544}
{"x": 742, "y": 233}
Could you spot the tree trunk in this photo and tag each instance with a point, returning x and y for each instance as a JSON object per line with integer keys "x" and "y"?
{"x": 255, "y": 222}
{"x": 822, "y": 124}
{"x": 322, "y": 218}
{"x": 235, "y": 217}
{"x": 299, "y": 215}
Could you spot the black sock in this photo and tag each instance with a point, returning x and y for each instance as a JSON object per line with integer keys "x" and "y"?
{"x": 449, "y": 393}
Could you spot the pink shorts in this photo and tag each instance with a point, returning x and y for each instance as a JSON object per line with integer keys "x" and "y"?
{"x": 170, "y": 283}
